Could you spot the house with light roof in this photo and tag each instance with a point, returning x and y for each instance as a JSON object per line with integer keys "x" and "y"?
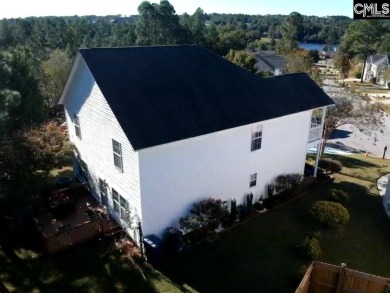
{"x": 376, "y": 65}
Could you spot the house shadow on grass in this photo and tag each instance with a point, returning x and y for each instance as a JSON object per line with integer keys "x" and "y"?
{"x": 353, "y": 189}
{"x": 366, "y": 211}
{"x": 351, "y": 162}
{"x": 340, "y": 146}
{"x": 256, "y": 255}
{"x": 363, "y": 242}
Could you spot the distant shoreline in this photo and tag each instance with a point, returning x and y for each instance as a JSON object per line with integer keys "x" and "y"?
{"x": 316, "y": 46}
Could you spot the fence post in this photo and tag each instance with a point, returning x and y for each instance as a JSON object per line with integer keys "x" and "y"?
{"x": 342, "y": 277}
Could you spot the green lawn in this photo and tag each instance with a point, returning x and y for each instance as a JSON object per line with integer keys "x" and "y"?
{"x": 92, "y": 267}
{"x": 377, "y": 91}
{"x": 367, "y": 88}
{"x": 260, "y": 256}
{"x": 64, "y": 171}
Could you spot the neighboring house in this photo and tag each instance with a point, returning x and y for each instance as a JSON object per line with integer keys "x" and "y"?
{"x": 376, "y": 65}
{"x": 157, "y": 129}
{"x": 270, "y": 61}
{"x": 326, "y": 54}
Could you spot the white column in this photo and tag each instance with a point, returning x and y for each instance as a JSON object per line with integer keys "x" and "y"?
{"x": 319, "y": 145}
{"x": 317, "y": 159}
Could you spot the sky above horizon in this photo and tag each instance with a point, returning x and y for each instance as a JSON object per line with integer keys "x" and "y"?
{"x": 25, "y": 8}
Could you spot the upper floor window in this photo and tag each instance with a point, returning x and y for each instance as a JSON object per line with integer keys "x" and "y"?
{"x": 117, "y": 150}
{"x": 252, "y": 180}
{"x": 257, "y": 133}
{"x": 77, "y": 126}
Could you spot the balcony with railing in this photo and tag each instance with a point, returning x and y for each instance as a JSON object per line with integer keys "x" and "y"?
{"x": 316, "y": 125}
{"x": 315, "y": 132}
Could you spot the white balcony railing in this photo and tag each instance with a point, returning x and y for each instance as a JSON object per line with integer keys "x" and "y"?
{"x": 315, "y": 133}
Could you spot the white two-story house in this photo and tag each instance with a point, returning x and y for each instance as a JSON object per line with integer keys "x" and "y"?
{"x": 376, "y": 65}
{"x": 157, "y": 129}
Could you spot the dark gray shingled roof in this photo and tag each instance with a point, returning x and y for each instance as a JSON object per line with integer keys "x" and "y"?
{"x": 269, "y": 61}
{"x": 162, "y": 94}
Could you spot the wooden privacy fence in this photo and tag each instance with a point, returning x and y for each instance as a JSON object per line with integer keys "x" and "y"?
{"x": 326, "y": 278}
{"x": 79, "y": 234}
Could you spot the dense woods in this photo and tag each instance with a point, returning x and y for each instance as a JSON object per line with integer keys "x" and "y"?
{"x": 159, "y": 24}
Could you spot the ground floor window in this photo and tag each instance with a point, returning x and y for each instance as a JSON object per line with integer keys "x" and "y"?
{"x": 252, "y": 180}
{"x": 103, "y": 192}
{"x": 121, "y": 206}
{"x": 115, "y": 200}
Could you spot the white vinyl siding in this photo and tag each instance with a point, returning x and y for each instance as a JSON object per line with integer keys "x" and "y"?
{"x": 77, "y": 128}
{"x": 99, "y": 125}
{"x": 176, "y": 175}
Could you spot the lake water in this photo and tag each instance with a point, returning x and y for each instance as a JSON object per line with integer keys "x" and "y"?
{"x": 314, "y": 46}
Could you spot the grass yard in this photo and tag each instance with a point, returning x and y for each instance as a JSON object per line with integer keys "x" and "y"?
{"x": 376, "y": 90}
{"x": 267, "y": 40}
{"x": 256, "y": 256}
{"x": 92, "y": 267}
{"x": 260, "y": 255}
{"x": 368, "y": 89}
{"x": 64, "y": 171}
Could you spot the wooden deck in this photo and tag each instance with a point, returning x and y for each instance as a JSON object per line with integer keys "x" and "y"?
{"x": 72, "y": 219}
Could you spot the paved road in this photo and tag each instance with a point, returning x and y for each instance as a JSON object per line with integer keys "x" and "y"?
{"x": 349, "y": 137}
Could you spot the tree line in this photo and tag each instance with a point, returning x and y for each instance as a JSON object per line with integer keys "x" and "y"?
{"x": 159, "y": 24}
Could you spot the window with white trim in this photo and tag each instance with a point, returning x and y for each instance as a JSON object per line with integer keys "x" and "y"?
{"x": 252, "y": 180}
{"x": 117, "y": 151}
{"x": 121, "y": 206}
{"x": 125, "y": 210}
{"x": 102, "y": 187}
{"x": 77, "y": 128}
{"x": 115, "y": 201}
{"x": 103, "y": 192}
{"x": 257, "y": 134}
